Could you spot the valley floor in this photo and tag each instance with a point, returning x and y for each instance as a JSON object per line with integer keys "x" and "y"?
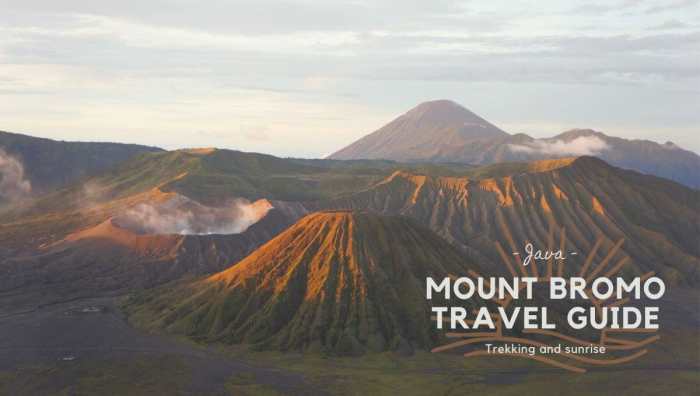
{"x": 86, "y": 347}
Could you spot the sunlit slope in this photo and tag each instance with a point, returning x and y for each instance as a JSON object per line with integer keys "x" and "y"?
{"x": 336, "y": 282}
{"x": 658, "y": 219}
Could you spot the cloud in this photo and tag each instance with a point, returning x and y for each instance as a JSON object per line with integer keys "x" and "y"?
{"x": 181, "y": 215}
{"x": 673, "y": 6}
{"x": 606, "y": 7}
{"x": 634, "y": 7}
{"x": 13, "y": 185}
{"x": 257, "y": 133}
{"x": 263, "y": 17}
{"x": 124, "y": 41}
{"x": 582, "y": 145}
{"x": 670, "y": 25}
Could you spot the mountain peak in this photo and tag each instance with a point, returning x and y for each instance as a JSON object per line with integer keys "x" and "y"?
{"x": 427, "y": 131}
{"x": 443, "y": 111}
{"x": 439, "y": 105}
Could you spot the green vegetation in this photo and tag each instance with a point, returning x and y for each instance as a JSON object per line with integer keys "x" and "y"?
{"x": 245, "y": 384}
{"x": 225, "y": 174}
{"x": 378, "y": 374}
{"x": 373, "y": 374}
{"x": 133, "y": 376}
{"x": 451, "y": 374}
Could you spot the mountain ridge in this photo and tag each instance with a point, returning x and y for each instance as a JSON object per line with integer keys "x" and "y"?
{"x": 433, "y": 141}
{"x": 514, "y": 204}
{"x": 49, "y": 164}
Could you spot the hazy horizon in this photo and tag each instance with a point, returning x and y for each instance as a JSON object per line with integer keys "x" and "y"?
{"x": 195, "y": 146}
{"x": 306, "y": 78}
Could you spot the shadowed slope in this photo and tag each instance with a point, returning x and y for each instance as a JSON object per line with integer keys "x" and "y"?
{"x": 108, "y": 258}
{"x": 338, "y": 282}
{"x": 50, "y": 164}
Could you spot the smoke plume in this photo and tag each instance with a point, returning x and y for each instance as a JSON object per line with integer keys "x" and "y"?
{"x": 181, "y": 215}
{"x": 13, "y": 185}
{"x": 582, "y": 145}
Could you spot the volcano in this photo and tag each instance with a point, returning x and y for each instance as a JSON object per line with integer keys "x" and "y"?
{"x": 430, "y": 130}
{"x": 338, "y": 282}
{"x": 111, "y": 258}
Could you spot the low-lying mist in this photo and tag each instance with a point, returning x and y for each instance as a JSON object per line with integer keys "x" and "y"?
{"x": 582, "y": 145}
{"x": 181, "y": 215}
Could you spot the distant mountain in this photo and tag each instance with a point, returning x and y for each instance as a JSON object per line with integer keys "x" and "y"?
{"x": 430, "y": 130}
{"x": 443, "y": 131}
{"x": 664, "y": 160}
{"x": 515, "y": 203}
{"x": 336, "y": 282}
{"x": 48, "y": 164}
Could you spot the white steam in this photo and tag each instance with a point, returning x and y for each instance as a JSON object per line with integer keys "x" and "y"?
{"x": 13, "y": 185}
{"x": 582, "y": 145}
{"x": 182, "y": 215}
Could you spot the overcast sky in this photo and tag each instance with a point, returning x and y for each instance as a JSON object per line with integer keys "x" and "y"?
{"x": 304, "y": 78}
